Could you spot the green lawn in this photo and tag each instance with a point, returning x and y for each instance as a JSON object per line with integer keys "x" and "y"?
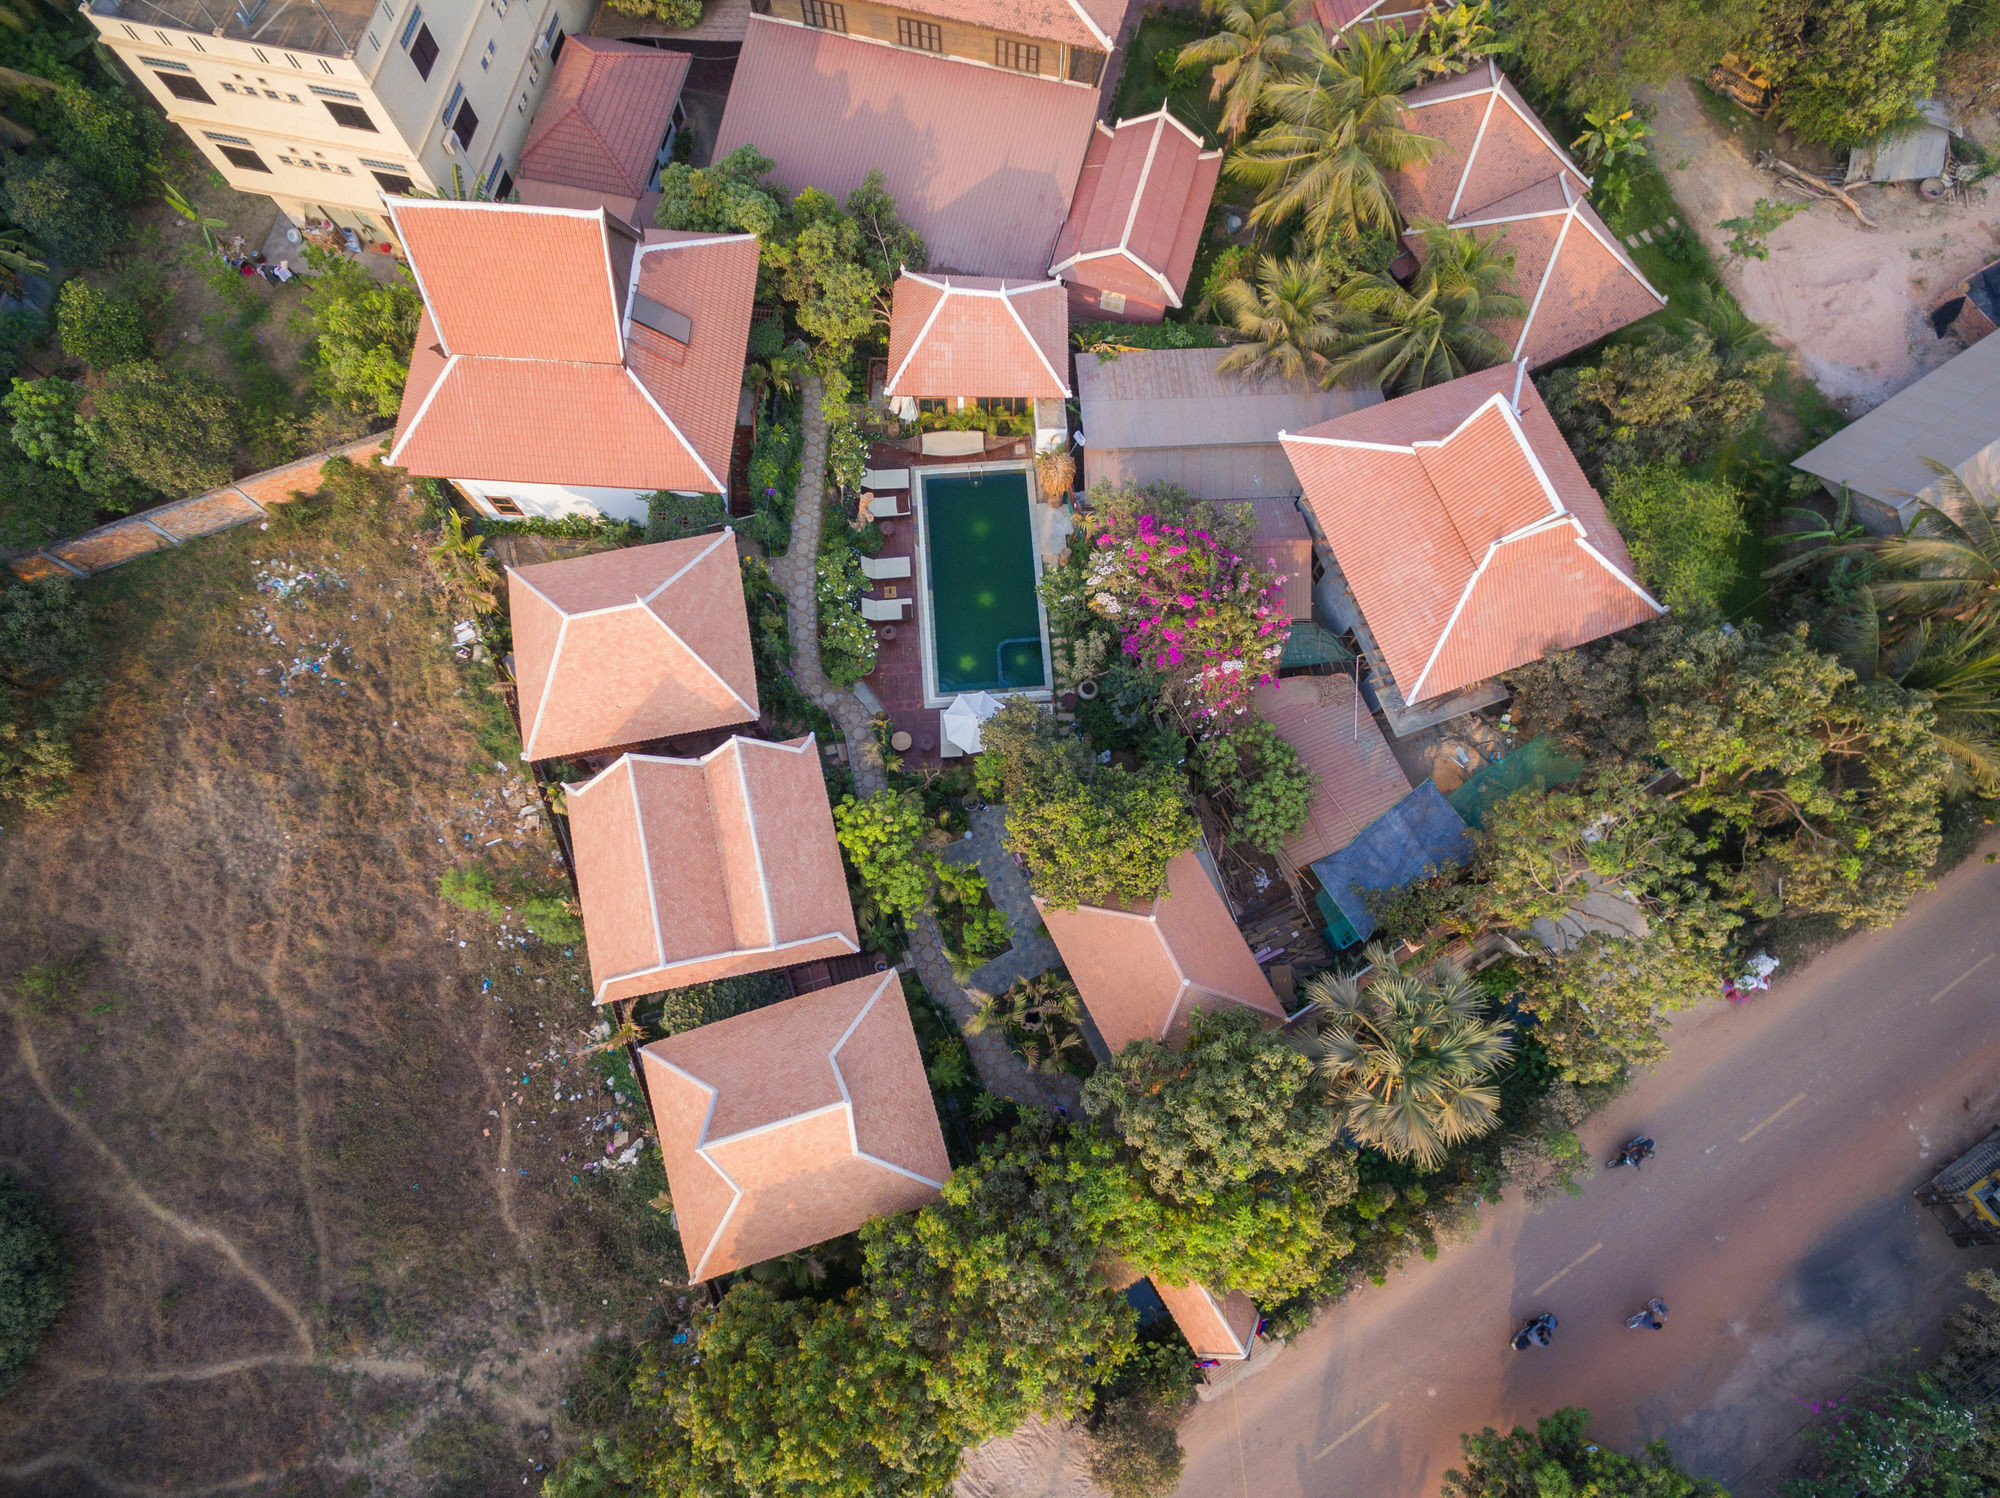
{"x": 1146, "y": 83}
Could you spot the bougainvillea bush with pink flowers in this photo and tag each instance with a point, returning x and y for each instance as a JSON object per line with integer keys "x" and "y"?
{"x": 1186, "y": 604}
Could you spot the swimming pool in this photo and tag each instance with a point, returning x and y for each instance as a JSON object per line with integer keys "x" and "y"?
{"x": 980, "y": 573}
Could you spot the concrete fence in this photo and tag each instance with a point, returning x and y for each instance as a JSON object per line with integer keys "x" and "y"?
{"x": 248, "y": 498}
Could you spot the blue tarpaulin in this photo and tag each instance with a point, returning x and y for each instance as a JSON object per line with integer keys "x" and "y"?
{"x": 1419, "y": 834}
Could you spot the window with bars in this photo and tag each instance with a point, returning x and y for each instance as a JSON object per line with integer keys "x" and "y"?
{"x": 1022, "y": 57}
{"x": 183, "y": 87}
{"x": 826, "y": 15}
{"x": 353, "y": 116}
{"x": 502, "y": 505}
{"x": 925, "y": 36}
{"x": 1085, "y": 66}
{"x": 244, "y": 157}
{"x": 394, "y": 183}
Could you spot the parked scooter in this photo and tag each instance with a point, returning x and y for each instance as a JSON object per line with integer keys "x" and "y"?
{"x": 1537, "y": 1333}
{"x": 1652, "y": 1318}
{"x": 1636, "y": 1150}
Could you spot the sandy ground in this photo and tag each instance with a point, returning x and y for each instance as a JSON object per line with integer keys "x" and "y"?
{"x": 1850, "y": 300}
{"x": 1040, "y": 1460}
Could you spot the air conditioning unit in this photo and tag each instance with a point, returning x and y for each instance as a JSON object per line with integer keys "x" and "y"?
{"x": 451, "y": 143}
{"x": 541, "y": 46}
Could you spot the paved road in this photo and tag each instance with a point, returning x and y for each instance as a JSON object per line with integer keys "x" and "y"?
{"x": 1776, "y": 1222}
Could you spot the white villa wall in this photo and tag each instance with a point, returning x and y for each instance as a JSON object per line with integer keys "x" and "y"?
{"x": 556, "y": 501}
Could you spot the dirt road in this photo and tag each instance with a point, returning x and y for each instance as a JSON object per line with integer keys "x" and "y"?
{"x": 1852, "y": 301}
{"x": 1776, "y": 1222}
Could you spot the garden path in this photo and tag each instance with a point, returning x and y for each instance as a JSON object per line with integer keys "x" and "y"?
{"x": 796, "y": 572}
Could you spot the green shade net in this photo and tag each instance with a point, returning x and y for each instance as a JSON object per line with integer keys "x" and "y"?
{"x": 1309, "y": 645}
{"x": 1537, "y": 764}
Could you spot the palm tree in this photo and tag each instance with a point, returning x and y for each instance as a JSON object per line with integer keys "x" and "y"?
{"x": 1258, "y": 39}
{"x": 1955, "y": 666}
{"x": 1948, "y": 563}
{"x": 1434, "y": 329}
{"x": 1737, "y": 336}
{"x": 1407, "y": 1058}
{"x": 465, "y": 573}
{"x": 1337, "y": 129}
{"x": 1287, "y": 317}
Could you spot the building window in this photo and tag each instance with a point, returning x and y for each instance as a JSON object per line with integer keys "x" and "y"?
{"x": 183, "y": 87}
{"x": 465, "y": 125}
{"x": 1022, "y": 57}
{"x": 502, "y": 505}
{"x": 353, "y": 116}
{"x": 933, "y": 407}
{"x": 827, "y": 15}
{"x": 486, "y": 58}
{"x": 1085, "y": 66}
{"x": 1112, "y": 301}
{"x": 394, "y": 183}
{"x": 244, "y": 157}
{"x": 925, "y": 36}
{"x": 552, "y": 39}
{"x": 423, "y": 48}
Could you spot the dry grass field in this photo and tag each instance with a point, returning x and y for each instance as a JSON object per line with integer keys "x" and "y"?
{"x": 319, "y": 1140}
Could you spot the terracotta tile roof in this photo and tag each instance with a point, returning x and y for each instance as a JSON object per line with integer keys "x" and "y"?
{"x": 624, "y": 646}
{"x": 1143, "y": 971}
{"x": 1141, "y": 200}
{"x": 981, "y": 161}
{"x": 1223, "y": 1328}
{"x": 1470, "y": 537}
{"x": 1499, "y": 171}
{"x": 529, "y": 310}
{"x": 1282, "y": 542}
{"x": 1337, "y": 737}
{"x": 695, "y": 869}
{"x": 973, "y": 335}
{"x": 1079, "y": 24}
{"x": 605, "y": 113}
{"x": 794, "y": 1123}
{"x": 1336, "y": 16}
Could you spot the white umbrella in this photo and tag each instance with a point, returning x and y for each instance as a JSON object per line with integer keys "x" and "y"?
{"x": 960, "y": 721}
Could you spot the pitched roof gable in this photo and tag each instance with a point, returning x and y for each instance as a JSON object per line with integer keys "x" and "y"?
{"x": 794, "y": 1123}
{"x": 978, "y": 336}
{"x": 1135, "y": 221}
{"x": 624, "y": 646}
{"x": 604, "y": 115}
{"x": 1142, "y": 971}
{"x": 1070, "y": 21}
{"x": 1470, "y": 537}
{"x": 690, "y": 870}
{"x": 508, "y": 384}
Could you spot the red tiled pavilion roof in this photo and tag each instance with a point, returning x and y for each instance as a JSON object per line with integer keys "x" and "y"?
{"x": 973, "y": 335}
{"x": 605, "y": 113}
{"x": 1135, "y": 222}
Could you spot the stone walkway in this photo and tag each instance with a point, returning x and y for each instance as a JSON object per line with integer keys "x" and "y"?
{"x": 796, "y": 572}
{"x": 1032, "y": 951}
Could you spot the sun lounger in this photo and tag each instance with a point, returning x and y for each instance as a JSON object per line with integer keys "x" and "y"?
{"x": 885, "y": 610}
{"x": 880, "y": 568}
{"x": 889, "y": 506}
{"x": 885, "y": 478}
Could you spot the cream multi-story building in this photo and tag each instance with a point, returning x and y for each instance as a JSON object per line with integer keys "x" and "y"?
{"x": 324, "y": 105}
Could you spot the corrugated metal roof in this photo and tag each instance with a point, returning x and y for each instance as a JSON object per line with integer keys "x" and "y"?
{"x": 1951, "y": 415}
{"x": 981, "y": 161}
{"x": 1420, "y": 832}
{"x": 1337, "y": 737}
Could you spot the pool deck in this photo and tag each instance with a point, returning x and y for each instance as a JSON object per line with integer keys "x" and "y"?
{"x": 898, "y": 678}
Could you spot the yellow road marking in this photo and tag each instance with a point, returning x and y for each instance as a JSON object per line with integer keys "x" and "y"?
{"x": 1567, "y": 1267}
{"x": 1353, "y": 1429}
{"x": 1772, "y": 1119}
{"x": 1961, "y": 977}
{"x": 1242, "y": 1463}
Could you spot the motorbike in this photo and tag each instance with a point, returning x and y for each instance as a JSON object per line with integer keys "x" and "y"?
{"x": 1636, "y": 1151}
{"x": 1652, "y": 1318}
{"x": 1539, "y": 1332}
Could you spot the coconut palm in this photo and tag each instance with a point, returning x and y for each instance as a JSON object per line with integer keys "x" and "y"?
{"x": 1407, "y": 1057}
{"x": 1287, "y": 316}
{"x": 1948, "y": 563}
{"x": 1955, "y": 666}
{"x": 1434, "y": 329}
{"x": 1337, "y": 129}
{"x": 1258, "y": 39}
{"x": 1738, "y": 337}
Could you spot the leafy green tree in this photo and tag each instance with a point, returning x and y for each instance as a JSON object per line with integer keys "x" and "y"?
{"x": 47, "y": 690}
{"x": 49, "y": 426}
{"x": 1832, "y": 784}
{"x": 32, "y": 1267}
{"x": 102, "y": 328}
{"x": 1846, "y": 70}
{"x": 1100, "y": 838}
{"x": 881, "y": 837}
{"x": 1668, "y": 399}
{"x": 111, "y": 137}
{"x": 1899, "y": 1438}
{"x": 821, "y": 271}
{"x": 1267, "y": 786}
{"x": 1555, "y": 1461}
{"x": 1233, "y": 1103}
{"x": 1409, "y": 1058}
{"x": 172, "y": 430}
{"x": 38, "y": 503}
{"x": 1135, "y": 1450}
{"x": 1257, "y": 41}
{"x": 1337, "y": 129}
{"x": 846, "y": 640}
{"x": 1286, "y": 319}
{"x": 888, "y": 245}
{"x": 1601, "y": 1008}
{"x": 62, "y": 210}
{"x": 725, "y": 197}
{"x": 996, "y": 1290}
{"x": 801, "y": 1397}
{"x": 677, "y": 13}
{"x": 1683, "y": 532}
{"x": 1596, "y": 51}
{"x": 364, "y": 331}
{"x": 1435, "y": 329}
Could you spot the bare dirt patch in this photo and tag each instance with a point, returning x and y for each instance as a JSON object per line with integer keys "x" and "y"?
{"x": 1850, "y": 300}
{"x": 327, "y": 1150}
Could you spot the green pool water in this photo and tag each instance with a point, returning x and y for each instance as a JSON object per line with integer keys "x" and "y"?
{"x": 986, "y": 631}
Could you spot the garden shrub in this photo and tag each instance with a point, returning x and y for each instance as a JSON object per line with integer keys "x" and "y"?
{"x": 975, "y": 932}
{"x": 1683, "y": 533}
{"x": 363, "y": 331}
{"x": 1669, "y": 399}
{"x": 1268, "y": 786}
{"x": 684, "y": 1009}
{"x": 47, "y": 689}
{"x": 846, "y": 640}
{"x": 881, "y": 837}
{"x": 173, "y": 430}
{"x": 33, "y": 1264}
{"x": 548, "y": 916}
{"x": 62, "y": 210}
{"x": 679, "y": 13}
{"x": 102, "y": 328}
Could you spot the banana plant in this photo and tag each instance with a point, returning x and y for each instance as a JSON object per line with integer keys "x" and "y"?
{"x": 181, "y": 204}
